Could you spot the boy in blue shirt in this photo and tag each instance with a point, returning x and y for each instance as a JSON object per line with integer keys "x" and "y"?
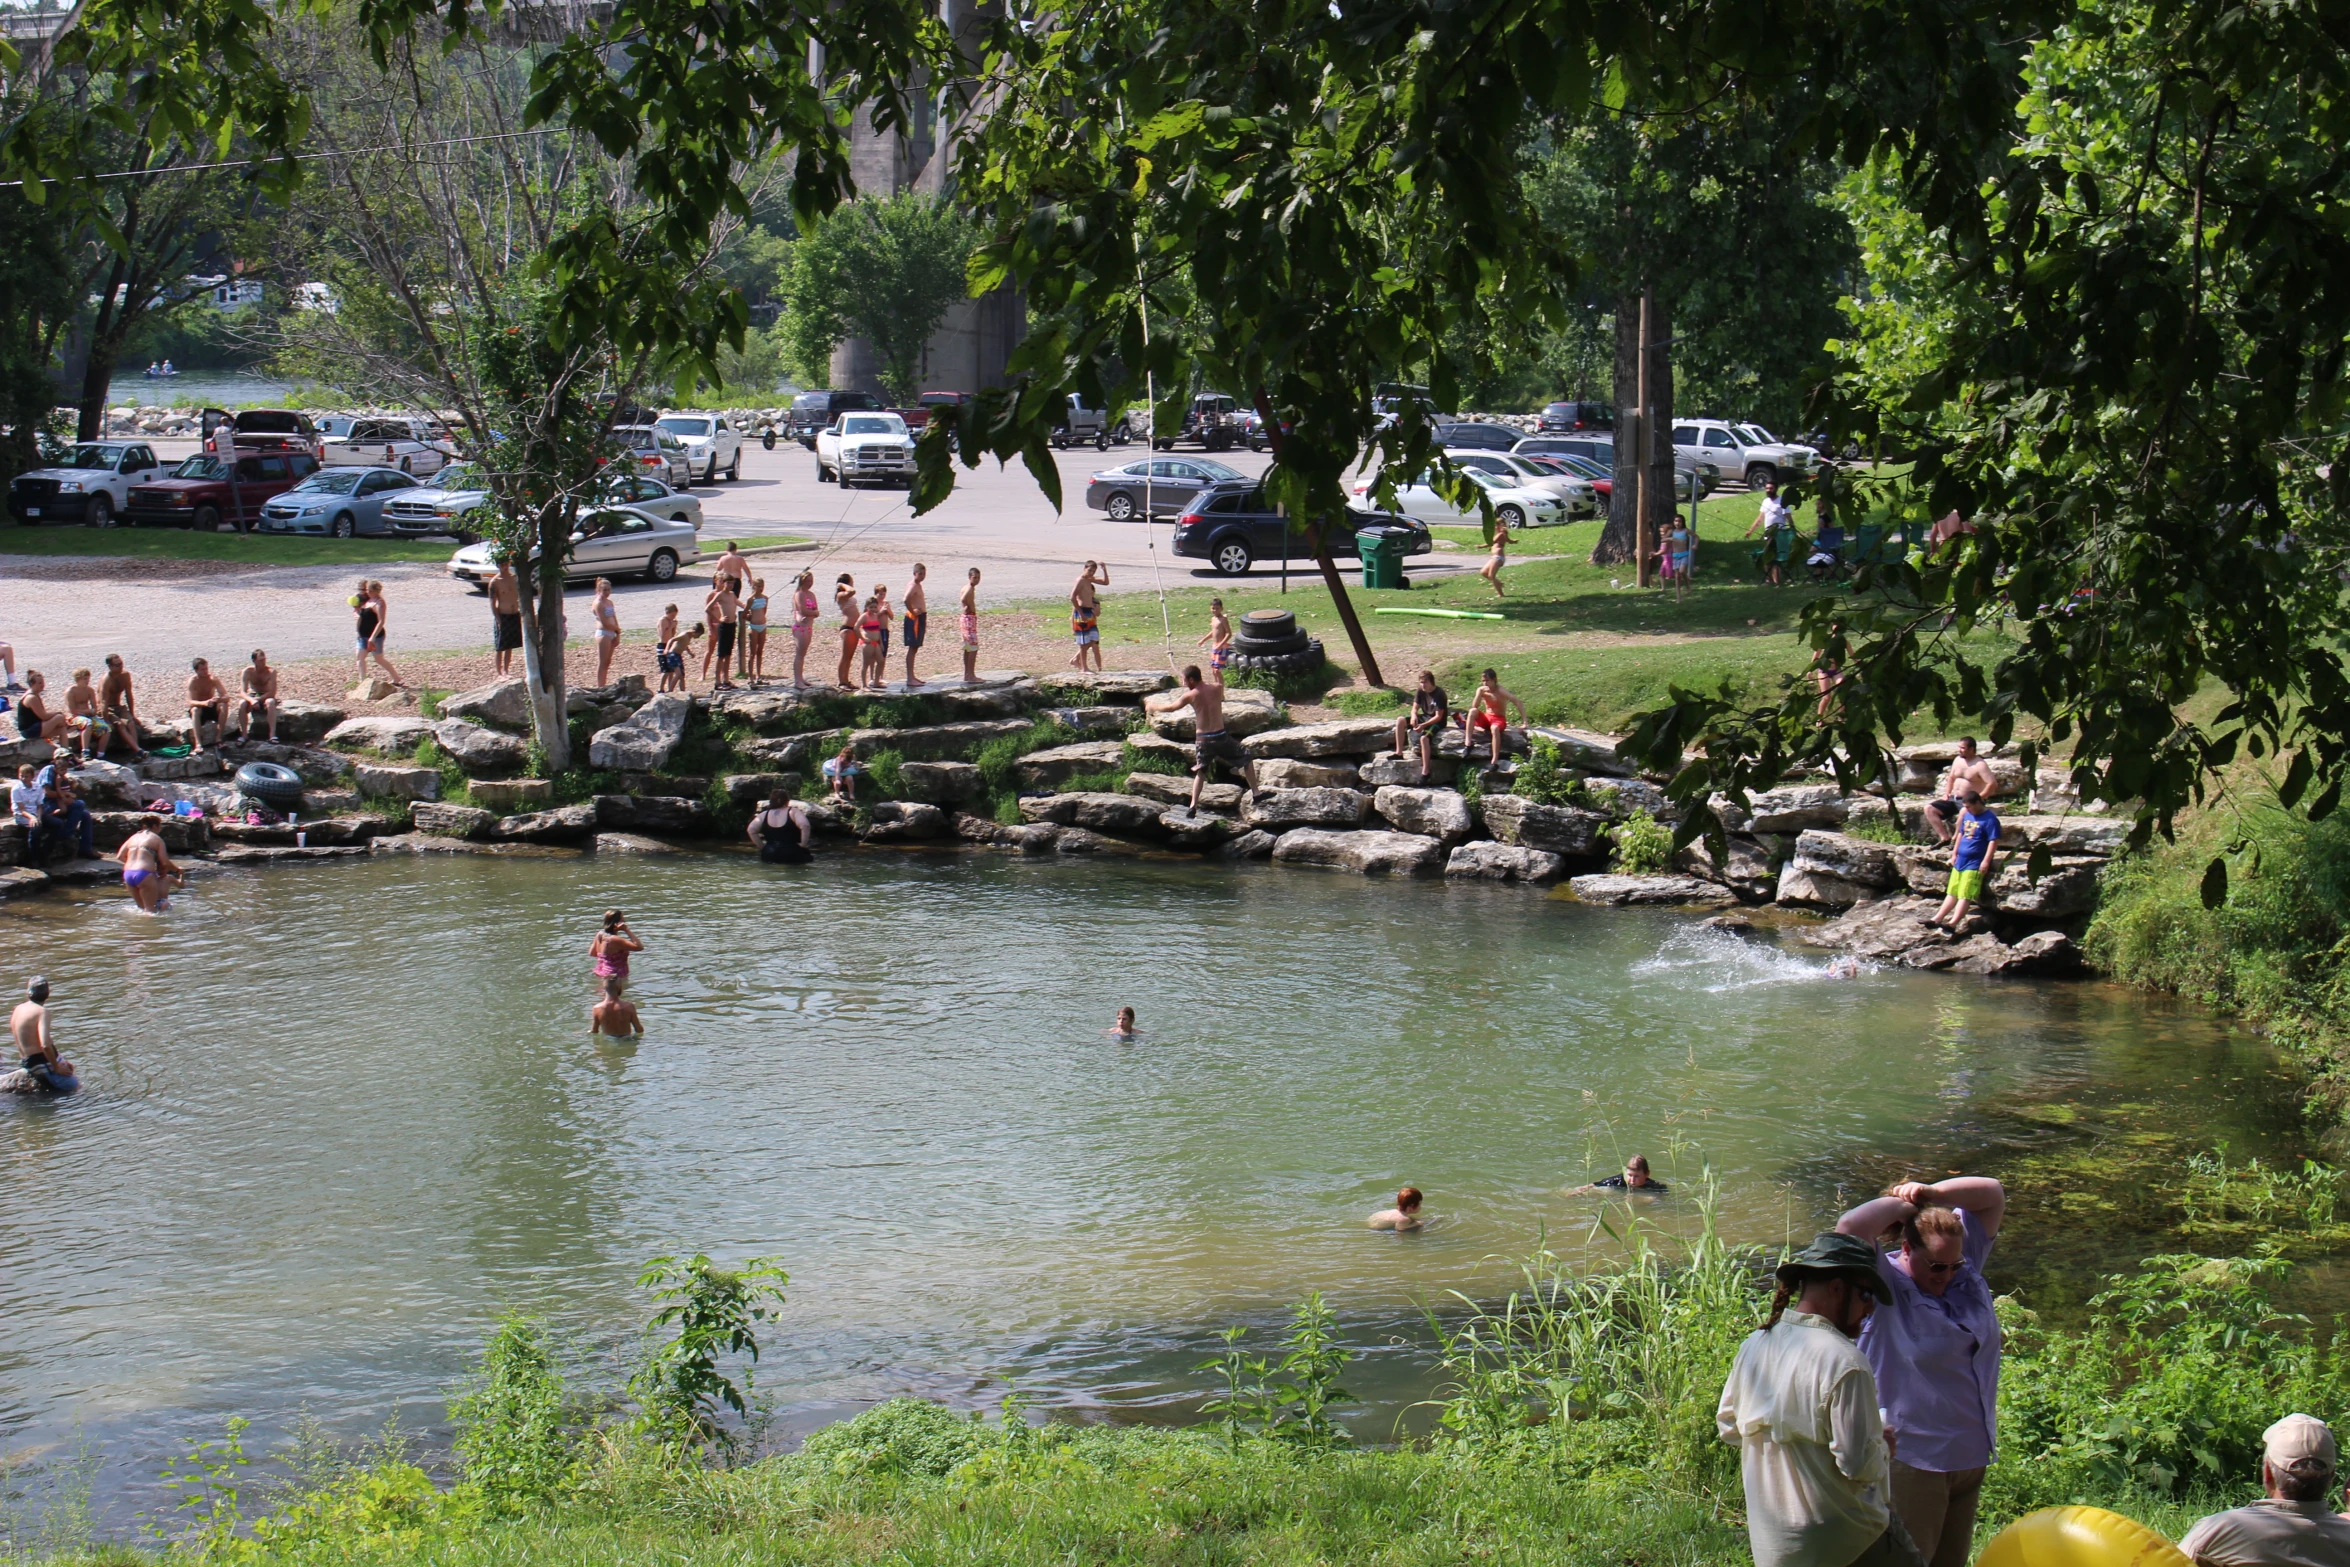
{"x": 1972, "y": 844}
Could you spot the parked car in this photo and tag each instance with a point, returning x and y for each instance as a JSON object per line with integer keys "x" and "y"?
{"x": 333, "y": 427}
{"x": 814, "y": 411}
{"x": 1600, "y": 451}
{"x": 647, "y": 448}
{"x": 1085, "y": 426}
{"x": 206, "y": 490}
{"x": 1254, "y": 431}
{"x": 1515, "y": 505}
{"x": 1476, "y": 434}
{"x": 649, "y": 495}
{"x": 918, "y": 416}
{"x": 1582, "y": 500}
{"x": 340, "y": 503}
{"x": 260, "y": 430}
{"x": 1601, "y": 480}
{"x": 92, "y": 484}
{"x": 1234, "y": 527}
{"x": 866, "y": 448}
{"x": 1213, "y": 420}
{"x": 443, "y": 506}
{"x": 1389, "y": 398}
{"x": 610, "y": 541}
{"x": 413, "y": 446}
{"x": 1748, "y": 450}
{"x": 710, "y": 444}
{"x": 1577, "y": 416}
{"x": 1166, "y": 484}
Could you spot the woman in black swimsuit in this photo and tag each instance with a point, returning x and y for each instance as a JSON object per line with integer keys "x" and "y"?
{"x": 365, "y": 605}
{"x": 34, "y": 721}
{"x": 782, "y": 831}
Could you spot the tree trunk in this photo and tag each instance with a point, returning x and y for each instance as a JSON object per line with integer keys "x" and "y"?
{"x": 106, "y": 338}
{"x": 1619, "y": 539}
{"x": 543, "y": 642}
{"x": 1330, "y": 576}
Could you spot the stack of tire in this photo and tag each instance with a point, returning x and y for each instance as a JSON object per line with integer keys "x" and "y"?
{"x": 1269, "y": 642}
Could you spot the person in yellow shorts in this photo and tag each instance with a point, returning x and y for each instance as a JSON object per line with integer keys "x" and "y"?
{"x": 1974, "y": 840}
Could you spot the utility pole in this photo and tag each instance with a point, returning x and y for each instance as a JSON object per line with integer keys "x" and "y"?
{"x": 1644, "y": 533}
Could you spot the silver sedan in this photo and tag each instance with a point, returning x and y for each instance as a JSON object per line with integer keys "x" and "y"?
{"x": 1165, "y": 484}
{"x": 610, "y": 541}
{"x": 649, "y": 495}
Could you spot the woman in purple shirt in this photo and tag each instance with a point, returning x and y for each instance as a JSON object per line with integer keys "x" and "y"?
{"x": 1935, "y": 1351}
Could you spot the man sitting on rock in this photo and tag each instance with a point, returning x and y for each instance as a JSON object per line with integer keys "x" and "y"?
{"x": 260, "y": 683}
{"x": 1967, "y": 771}
{"x": 1210, "y": 744}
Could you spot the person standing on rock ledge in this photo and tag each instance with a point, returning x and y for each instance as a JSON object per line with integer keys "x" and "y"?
{"x": 1085, "y": 614}
{"x": 505, "y": 618}
{"x": 1210, "y": 744}
{"x": 1967, "y": 771}
{"x": 917, "y": 620}
{"x": 970, "y": 628}
{"x": 1973, "y": 844}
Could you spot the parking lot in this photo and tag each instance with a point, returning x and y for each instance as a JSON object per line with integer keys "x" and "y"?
{"x": 69, "y": 612}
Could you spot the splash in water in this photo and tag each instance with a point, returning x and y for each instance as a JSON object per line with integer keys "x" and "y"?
{"x": 1714, "y": 961}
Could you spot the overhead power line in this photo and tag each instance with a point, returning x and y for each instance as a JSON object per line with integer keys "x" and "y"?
{"x": 250, "y": 163}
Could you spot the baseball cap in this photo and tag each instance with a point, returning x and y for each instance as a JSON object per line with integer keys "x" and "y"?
{"x": 2300, "y": 1444}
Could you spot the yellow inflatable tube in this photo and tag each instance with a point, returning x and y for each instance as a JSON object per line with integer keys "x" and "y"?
{"x": 2079, "y": 1537}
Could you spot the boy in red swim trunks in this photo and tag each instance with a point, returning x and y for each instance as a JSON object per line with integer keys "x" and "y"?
{"x": 1488, "y": 714}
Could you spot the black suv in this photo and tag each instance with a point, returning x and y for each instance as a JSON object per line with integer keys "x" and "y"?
{"x": 1578, "y": 416}
{"x": 1476, "y": 435}
{"x": 813, "y": 411}
{"x": 1233, "y": 526}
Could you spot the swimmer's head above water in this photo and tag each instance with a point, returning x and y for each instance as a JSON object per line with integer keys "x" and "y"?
{"x": 1405, "y": 1215}
{"x": 1124, "y": 1027}
{"x": 36, "y": 989}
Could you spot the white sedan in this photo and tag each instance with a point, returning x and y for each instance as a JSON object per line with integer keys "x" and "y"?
{"x": 609, "y": 541}
{"x": 1581, "y": 498}
{"x": 1515, "y": 506}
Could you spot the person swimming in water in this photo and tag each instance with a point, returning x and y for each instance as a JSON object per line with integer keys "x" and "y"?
{"x": 1634, "y": 1179}
{"x": 611, "y": 947}
{"x": 1405, "y": 1215}
{"x": 36, "y": 1046}
{"x": 614, "y": 1020}
{"x": 1124, "y": 1028}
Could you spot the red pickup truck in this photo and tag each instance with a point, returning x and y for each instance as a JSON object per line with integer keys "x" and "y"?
{"x": 206, "y": 490}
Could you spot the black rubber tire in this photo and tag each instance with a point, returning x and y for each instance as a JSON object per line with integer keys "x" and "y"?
{"x": 1271, "y": 647}
{"x": 662, "y": 567}
{"x": 1266, "y": 625}
{"x": 206, "y": 520}
{"x": 1760, "y": 474}
{"x": 1232, "y": 557}
{"x": 270, "y": 784}
{"x": 734, "y": 469}
{"x": 1119, "y": 507}
{"x": 767, "y": 439}
{"x": 101, "y": 511}
{"x": 343, "y": 527}
{"x": 823, "y": 474}
{"x": 1101, "y": 440}
{"x": 1301, "y": 663}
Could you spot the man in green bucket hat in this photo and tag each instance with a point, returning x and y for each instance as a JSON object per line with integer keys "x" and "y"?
{"x": 1801, "y": 1408}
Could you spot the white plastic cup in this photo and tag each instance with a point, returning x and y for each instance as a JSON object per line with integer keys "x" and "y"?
{"x": 301, "y": 840}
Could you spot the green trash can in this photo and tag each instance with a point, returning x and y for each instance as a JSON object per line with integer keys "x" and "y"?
{"x": 1382, "y": 555}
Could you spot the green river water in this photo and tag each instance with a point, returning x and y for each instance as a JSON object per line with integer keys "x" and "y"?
{"x": 339, "y": 1116}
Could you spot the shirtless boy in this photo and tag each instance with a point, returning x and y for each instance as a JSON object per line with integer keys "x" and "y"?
{"x": 614, "y": 1016}
{"x": 260, "y": 685}
{"x": 505, "y": 616}
{"x": 1967, "y": 771}
{"x": 120, "y": 705}
{"x": 89, "y": 726}
{"x": 1210, "y": 744}
{"x": 1085, "y": 614}
{"x": 147, "y": 864}
{"x": 917, "y": 620}
{"x": 36, "y": 1046}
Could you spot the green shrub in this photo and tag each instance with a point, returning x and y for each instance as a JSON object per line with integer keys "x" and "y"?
{"x": 1299, "y": 686}
{"x": 1136, "y": 760}
{"x": 906, "y": 1436}
{"x": 1644, "y": 845}
{"x": 1109, "y": 782}
{"x": 881, "y": 774}
{"x": 1876, "y": 829}
{"x": 1373, "y": 702}
{"x": 456, "y": 788}
{"x": 1542, "y": 778}
{"x": 704, "y": 1314}
{"x": 1004, "y": 808}
{"x": 997, "y": 758}
{"x": 516, "y": 1432}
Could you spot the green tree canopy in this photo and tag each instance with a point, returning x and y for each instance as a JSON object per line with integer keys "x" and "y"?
{"x": 886, "y": 270}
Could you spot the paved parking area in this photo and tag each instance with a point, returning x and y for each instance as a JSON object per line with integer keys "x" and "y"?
{"x": 60, "y": 613}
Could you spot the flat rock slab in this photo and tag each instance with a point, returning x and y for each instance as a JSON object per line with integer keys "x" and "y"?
{"x": 453, "y": 821}
{"x": 480, "y": 751}
{"x": 934, "y": 742}
{"x": 1442, "y": 814}
{"x": 507, "y": 794}
{"x": 758, "y": 788}
{"x": 632, "y": 843}
{"x": 428, "y": 843}
{"x": 765, "y": 711}
{"x": 1894, "y": 930}
{"x": 397, "y": 736}
{"x": 644, "y": 743}
{"x": 1222, "y": 799}
{"x": 1624, "y": 891}
{"x": 85, "y": 873}
{"x": 1124, "y": 815}
{"x": 1381, "y": 771}
{"x": 1364, "y": 853}
{"x": 1246, "y": 712}
{"x": 650, "y": 813}
{"x": 2101, "y": 836}
{"x": 263, "y": 854}
{"x": 502, "y": 704}
{"x": 1342, "y": 737}
{"x": 1584, "y": 749}
{"x": 1278, "y": 809}
{"x": 904, "y": 821}
{"x": 1557, "y": 829}
{"x": 1794, "y": 808}
{"x": 1097, "y": 721}
{"x": 20, "y": 881}
{"x": 1503, "y": 862}
{"x": 563, "y": 824}
{"x": 1049, "y": 769}
{"x": 1861, "y": 861}
{"x": 1116, "y": 685}
{"x": 391, "y": 781}
{"x": 1287, "y": 772}
{"x": 211, "y": 764}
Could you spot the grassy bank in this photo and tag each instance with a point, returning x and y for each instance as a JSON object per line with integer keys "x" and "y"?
{"x": 248, "y": 549}
{"x": 1576, "y": 1427}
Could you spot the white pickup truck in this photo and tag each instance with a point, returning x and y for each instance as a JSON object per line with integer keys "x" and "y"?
{"x": 1747, "y": 450}
{"x": 865, "y": 448}
{"x": 411, "y": 445}
{"x": 91, "y": 484}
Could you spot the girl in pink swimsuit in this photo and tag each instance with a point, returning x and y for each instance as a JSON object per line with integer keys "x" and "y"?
{"x": 803, "y": 627}
{"x": 611, "y": 948}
